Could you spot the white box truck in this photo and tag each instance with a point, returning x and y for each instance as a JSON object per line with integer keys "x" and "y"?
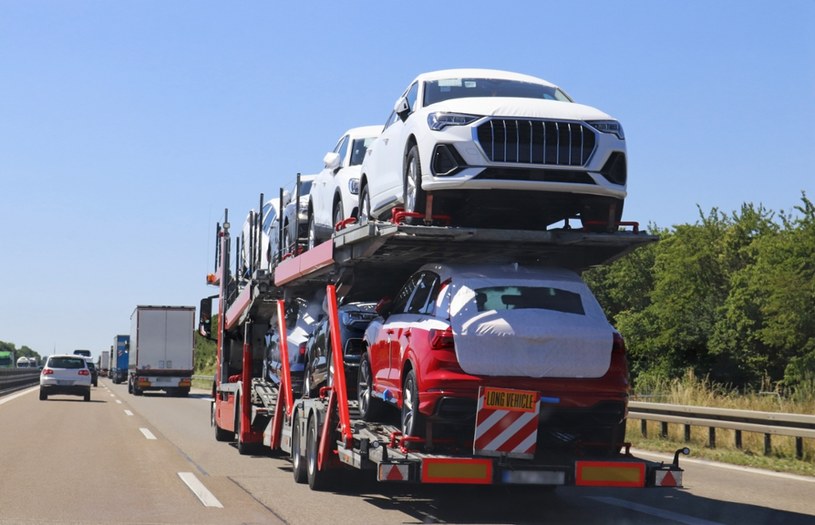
{"x": 161, "y": 349}
{"x": 104, "y": 363}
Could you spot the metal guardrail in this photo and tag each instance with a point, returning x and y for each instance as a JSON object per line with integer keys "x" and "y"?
{"x": 12, "y": 379}
{"x": 799, "y": 426}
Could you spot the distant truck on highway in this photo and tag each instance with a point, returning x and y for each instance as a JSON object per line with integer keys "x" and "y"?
{"x": 104, "y": 363}
{"x": 119, "y": 352}
{"x": 6, "y": 359}
{"x": 161, "y": 349}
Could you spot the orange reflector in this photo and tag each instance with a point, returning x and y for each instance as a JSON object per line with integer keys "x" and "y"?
{"x": 609, "y": 474}
{"x": 457, "y": 470}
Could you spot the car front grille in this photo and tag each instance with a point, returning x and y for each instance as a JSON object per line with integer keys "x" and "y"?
{"x": 527, "y": 141}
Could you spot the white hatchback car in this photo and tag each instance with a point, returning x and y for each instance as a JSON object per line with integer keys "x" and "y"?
{"x": 335, "y": 191}
{"x": 496, "y": 149}
{"x": 65, "y": 374}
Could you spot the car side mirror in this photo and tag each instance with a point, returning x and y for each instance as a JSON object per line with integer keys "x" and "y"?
{"x": 384, "y": 306}
{"x": 331, "y": 160}
{"x": 402, "y": 108}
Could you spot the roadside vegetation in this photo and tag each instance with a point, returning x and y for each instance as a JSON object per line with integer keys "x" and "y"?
{"x": 690, "y": 390}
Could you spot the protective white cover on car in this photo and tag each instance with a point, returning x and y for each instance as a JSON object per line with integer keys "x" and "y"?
{"x": 530, "y": 342}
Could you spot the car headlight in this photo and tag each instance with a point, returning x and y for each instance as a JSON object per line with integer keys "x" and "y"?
{"x": 439, "y": 120}
{"x": 353, "y": 186}
{"x": 608, "y": 126}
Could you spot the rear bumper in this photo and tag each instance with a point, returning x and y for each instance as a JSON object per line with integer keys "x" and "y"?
{"x": 72, "y": 390}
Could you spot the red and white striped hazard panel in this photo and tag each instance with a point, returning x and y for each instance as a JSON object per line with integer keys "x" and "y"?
{"x": 506, "y": 422}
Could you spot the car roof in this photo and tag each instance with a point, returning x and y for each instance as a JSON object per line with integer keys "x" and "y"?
{"x": 73, "y": 356}
{"x": 481, "y": 73}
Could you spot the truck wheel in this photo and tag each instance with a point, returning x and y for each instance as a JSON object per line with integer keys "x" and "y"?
{"x": 129, "y": 386}
{"x": 369, "y": 407}
{"x": 298, "y": 462}
{"x": 317, "y": 479}
{"x": 413, "y": 423}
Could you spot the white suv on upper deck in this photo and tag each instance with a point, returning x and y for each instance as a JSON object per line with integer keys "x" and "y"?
{"x": 496, "y": 149}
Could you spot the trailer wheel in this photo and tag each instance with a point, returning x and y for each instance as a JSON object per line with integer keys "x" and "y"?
{"x": 317, "y": 479}
{"x": 298, "y": 461}
{"x": 369, "y": 406}
{"x": 413, "y": 423}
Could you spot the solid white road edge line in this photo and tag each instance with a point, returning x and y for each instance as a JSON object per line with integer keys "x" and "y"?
{"x": 12, "y": 397}
{"x": 653, "y": 511}
{"x": 128, "y": 412}
{"x": 201, "y": 492}
{"x": 684, "y": 459}
{"x": 147, "y": 433}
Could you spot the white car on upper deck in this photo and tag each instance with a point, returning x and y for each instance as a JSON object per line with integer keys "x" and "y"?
{"x": 335, "y": 191}
{"x": 496, "y": 149}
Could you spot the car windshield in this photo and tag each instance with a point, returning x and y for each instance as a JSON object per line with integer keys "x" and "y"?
{"x": 448, "y": 88}
{"x": 525, "y": 297}
{"x": 66, "y": 362}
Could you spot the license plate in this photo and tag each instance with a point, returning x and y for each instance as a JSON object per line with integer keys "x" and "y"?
{"x": 64, "y": 382}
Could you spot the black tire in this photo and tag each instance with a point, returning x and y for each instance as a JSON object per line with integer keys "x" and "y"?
{"x": 370, "y": 408}
{"x": 129, "y": 386}
{"x": 317, "y": 479}
{"x": 87, "y": 396}
{"x": 364, "y": 213}
{"x": 413, "y": 422}
{"x": 312, "y": 232}
{"x": 339, "y": 214}
{"x": 414, "y": 197}
{"x": 298, "y": 460}
{"x": 43, "y": 395}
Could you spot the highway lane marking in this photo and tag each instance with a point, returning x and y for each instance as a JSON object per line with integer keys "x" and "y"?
{"x": 716, "y": 464}
{"x": 113, "y": 395}
{"x": 201, "y": 492}
{"x": 128, "y": 412}
{"x": 147, "y": 433}
{"x": 653, "y": 511}
{"x": 12, "y": 397}
{"x": 118, "y": 401}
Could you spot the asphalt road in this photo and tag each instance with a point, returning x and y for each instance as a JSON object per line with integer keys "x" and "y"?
{"x": 154, "y": 459}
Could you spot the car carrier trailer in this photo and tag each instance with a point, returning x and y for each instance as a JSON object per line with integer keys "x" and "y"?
{"x": 324, "y": 435}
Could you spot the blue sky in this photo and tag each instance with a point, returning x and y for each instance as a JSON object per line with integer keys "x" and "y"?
{"x": 126, "y": 127}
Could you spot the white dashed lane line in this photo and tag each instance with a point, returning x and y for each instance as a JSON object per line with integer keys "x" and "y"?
{"x": 201, "y": 492}
{"x": 118, "y": 401}
{"x": 128, "y": 412}
{"x": 147, "y": 433}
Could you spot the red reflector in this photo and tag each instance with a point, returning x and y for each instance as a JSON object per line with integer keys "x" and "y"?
{"x": 84, "y": 373}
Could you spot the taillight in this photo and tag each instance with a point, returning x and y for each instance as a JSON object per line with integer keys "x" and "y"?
{"x": 84, "y": 372}
{"x": 47, "y": 371}
{"x": 441, "y": 339}
{"x": 302, "y": 348}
